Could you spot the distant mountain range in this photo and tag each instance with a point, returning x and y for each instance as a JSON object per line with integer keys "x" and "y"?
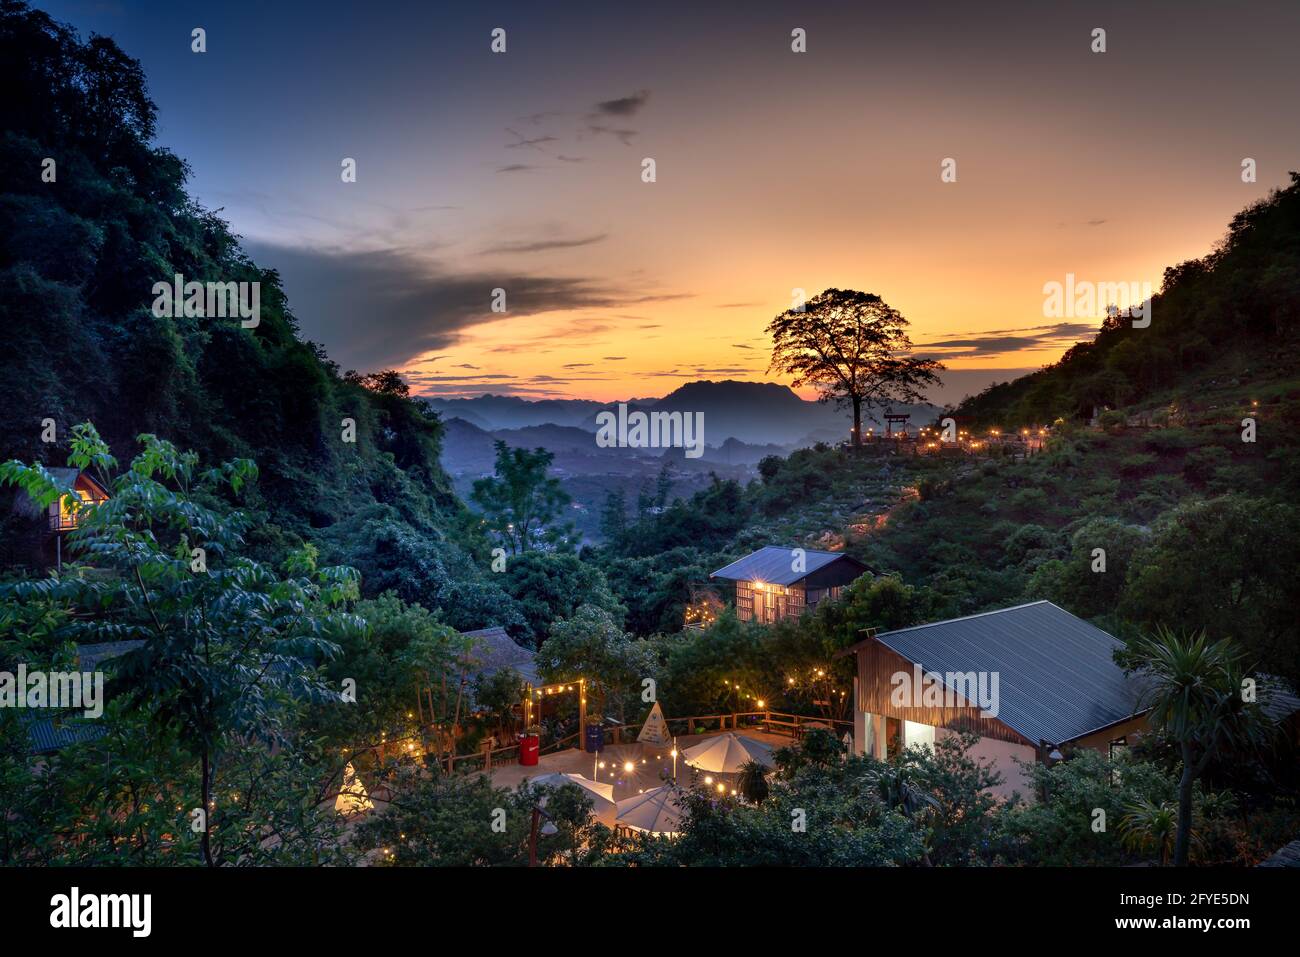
{"x": 752, "y": 413}
{"x": 470, "y": 450}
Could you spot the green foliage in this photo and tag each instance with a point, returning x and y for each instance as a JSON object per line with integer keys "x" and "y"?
{"x": 520, "y": 502}
{"x": 591, "y": 645}
{"x": 1062, "y": 827}
{"x": 229, "y": 647}
{"x": 547, "y": 587}
{"x": 78, "y": 260}
{"x": 1194, "y": 689}
{"x": 1224, "y": 565}
{"x": 449, "y": 822}
{"x": 422, "y": 566}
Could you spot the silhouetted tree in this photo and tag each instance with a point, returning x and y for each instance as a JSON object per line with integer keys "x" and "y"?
{"x": 848, "y": 344}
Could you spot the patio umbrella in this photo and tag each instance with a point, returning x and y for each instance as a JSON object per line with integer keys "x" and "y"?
{"x": 726, "y": 753}
{"x": 601, "y": 794}
{"x": 655, "y": 811}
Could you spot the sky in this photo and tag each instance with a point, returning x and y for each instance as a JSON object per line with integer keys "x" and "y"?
{"x": 774, "y": 170}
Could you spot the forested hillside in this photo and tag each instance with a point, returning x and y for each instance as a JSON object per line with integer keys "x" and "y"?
{"x": 1187, "y": 487}
{"x": 1228, "y": 317}
{"x": 79, "y": 255}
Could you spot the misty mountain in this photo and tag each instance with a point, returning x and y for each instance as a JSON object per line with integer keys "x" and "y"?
{"x": 761, "y": 413}
{"x": 754, "y": 413}
{"x": 470, "y": 450}
{"x": 511, "y": 412}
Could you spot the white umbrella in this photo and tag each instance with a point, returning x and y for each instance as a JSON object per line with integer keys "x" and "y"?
{"x": 601, "y": 794}
{"x": 655, "y": 811}
{"x": 726, "y": 753}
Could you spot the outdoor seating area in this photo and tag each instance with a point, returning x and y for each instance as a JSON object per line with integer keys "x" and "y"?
{"x": 633, "y": 777}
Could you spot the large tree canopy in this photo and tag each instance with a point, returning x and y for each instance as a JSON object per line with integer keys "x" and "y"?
{"x": 851, "y": 346}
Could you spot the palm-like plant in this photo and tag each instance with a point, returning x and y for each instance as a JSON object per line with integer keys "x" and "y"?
{"x": 1194, "y": 689}
{"x": 752, "y": 782}
{"x": 1148, "y": 827}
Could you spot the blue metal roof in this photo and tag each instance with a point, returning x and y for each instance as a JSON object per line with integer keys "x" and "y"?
{"x": 45, "y": 735}
{"x": 1057, "y": 678}
{"x": 774, "y": 565}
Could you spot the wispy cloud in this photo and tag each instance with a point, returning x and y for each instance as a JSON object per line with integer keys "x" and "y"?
{"x": 525, "y": 142}
{"x": 542, "y": 245}
{"x": 624, "y": 105}
{"x": 1000, "y": 341}
{"x": 378, "y": 309}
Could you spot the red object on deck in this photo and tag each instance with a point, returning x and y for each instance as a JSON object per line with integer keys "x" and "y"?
{"x": 528, "y": 746}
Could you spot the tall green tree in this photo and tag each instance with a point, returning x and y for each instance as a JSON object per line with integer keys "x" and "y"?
{"x": 853, "y": 347}
{"x": 230, "y": 646}
{"x": 520, "y": 500}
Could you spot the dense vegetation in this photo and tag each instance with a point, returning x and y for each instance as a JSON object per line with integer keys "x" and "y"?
{"x": 78, "y": 260}
{"x": 300, "y": 597}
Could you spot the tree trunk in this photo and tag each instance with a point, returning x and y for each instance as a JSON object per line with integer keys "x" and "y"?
{"x": 857, "y": 421}
{"x": 207, "y": 811}
{"x": 1182, "y": 847}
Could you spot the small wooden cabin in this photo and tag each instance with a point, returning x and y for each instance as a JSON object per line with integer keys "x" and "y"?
{"x": 775, "y": 583}
{"x": 41, "y": 543}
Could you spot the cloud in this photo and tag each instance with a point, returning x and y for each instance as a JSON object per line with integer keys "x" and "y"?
{"x": 524, "y": 142}
{"x": 515, "y": 168}
{"x": 576, "y": 365}
{"x": 378, "y": 309}
{"x": 624, "y": 136}
{"x": 738, "y": 305}
{"x": 541, "y": 245}
{"x": 613, "y": 358}
{"x": 741, "y": 346}
{"x": 999, "y": 341}
{"x": 624, "y": 105}
{"x": 466, "y": 365}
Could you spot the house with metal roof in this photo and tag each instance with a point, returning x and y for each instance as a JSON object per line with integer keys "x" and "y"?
{"x": 1031, "y": 681}
{"x": 41, "y": 541}
{"x": 774, "y": 583}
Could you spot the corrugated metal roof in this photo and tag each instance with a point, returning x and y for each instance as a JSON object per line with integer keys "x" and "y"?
{"x": 494, "y": 650}
{"x": 1057, "y": 679}
{"x": 55, "y": 732}
{"x": 46, "y": 735}
{"x": 772, "y": 564}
